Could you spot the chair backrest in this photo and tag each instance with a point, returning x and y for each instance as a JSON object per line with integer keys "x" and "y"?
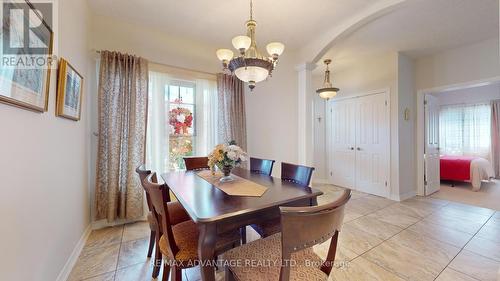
{"x": 296, "y": 173}
{"x": 196, "y": 163}
{"x": 304, "y": 227}
{"x": 143, "y": 174}
{"x": 159, "y": 194}
{"x": 261, "y": 166}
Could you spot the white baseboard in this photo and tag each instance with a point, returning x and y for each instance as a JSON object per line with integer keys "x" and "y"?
{"x": 404, "y": 196}
{"x": 104, "y": 223}
{"x": 64, "y": 274}
{"x": 321, "y": 181}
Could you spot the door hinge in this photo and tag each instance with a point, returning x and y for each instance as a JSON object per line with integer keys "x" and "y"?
{"x": 385, "y": 183}
{"x": 425, "y": 182}
{"x": 331, "y": 174}
{"x": 386, "y": 103}
{"x": 425, "y": 102}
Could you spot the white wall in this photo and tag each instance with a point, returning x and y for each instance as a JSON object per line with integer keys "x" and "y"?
{"x": 406, "y": 128}
{"x": 460, "y": 65}
{"x": 470, "y": 95}
{"x": 271, "y": 111}
{"x": 44, "y": 206}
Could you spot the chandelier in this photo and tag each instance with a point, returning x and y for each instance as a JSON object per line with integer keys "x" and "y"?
{"x": 327, "y": 91}
{"x": 250, "y": 66}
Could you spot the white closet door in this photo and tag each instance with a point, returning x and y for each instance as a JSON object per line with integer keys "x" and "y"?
{"x": 432, "y": 173}
{"x": 343, "y": 139}
{"x": 372, "y": 145}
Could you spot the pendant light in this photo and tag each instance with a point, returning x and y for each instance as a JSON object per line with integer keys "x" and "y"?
{"x": 327, "y": 91}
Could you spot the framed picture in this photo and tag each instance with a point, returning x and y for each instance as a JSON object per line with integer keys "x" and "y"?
{"x": 69, "y": 92}
{"x": 23, "y": 84}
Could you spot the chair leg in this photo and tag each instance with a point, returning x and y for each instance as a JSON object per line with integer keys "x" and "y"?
{"x": 152, "y": 238}
{"x": 228, "y": 274}
{"x": 176, "y": 273}
{"x": 243, "y": 233}
{"x": 166, "y": 272}
{"x": 157, "y": 260}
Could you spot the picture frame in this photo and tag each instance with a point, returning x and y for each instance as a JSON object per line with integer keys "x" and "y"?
{"x": 27, "y": 88}
{"x": 69, "y": 91}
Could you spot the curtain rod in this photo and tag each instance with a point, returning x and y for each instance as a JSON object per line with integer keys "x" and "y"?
{"x": 173, "y": 66}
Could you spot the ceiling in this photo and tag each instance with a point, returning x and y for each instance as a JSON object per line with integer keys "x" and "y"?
{"x": 216, "y": 22}
{"x": 422, "y": 27}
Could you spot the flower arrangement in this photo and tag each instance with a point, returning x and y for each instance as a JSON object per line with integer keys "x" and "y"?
{"x": 225, "y": 157}
{"x": 178, "y": 124}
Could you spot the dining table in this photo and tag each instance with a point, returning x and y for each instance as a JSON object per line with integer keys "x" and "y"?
{"x": 215, "y": 212}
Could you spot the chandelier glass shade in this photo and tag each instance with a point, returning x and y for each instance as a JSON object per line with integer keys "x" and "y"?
{"x": 250, "y": 65}
{"x": 327, "y": 91}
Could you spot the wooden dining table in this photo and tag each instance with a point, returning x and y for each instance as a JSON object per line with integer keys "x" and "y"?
{"x": 215, "y": 212}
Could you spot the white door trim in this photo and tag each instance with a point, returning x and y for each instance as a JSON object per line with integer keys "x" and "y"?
{"x": 421, "y": 124}
{"x": 328, "y": 136}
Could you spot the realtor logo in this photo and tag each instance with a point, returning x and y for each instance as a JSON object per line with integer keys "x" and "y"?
{"x": 27, "y": 35}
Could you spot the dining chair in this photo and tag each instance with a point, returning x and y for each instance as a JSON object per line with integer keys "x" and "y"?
{"x": 196, "y": 163}
{"x": 177, "y": 215}
{"x": 261, "y": 166}
{"x": 179, "y": 242}
{"x": 298, "y": 174}
{"x": 302, "y": 228}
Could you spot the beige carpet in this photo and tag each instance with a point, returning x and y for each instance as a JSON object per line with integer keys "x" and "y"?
{"x": 487, "y": 197}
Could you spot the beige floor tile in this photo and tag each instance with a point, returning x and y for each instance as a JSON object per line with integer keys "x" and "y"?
{"x": 350, "y": 215}
{"x": 379, "y": 229}
{"x": 103, "y": 277}
{"x": 138, "y": 272}
{"x": 343, "y": 254}
{"x": 95, "y": 261}
{"x": 361, "y": 206}
{"x": 396, "y": 215}
{"x": 484, "y": 247}
{"x": 464, "y": 225}
{"x": 362, "y": 269}
{"x": 463, "y": 213}
{"x": 378, "y": 201}
{"x": 437, "y": 251}
{"x": 357, "y": 240}
{"x": 441, "y": 233}
{"x": 490, "y": 231}
{"x": 194, "y": 274}
{"x": 420, "y": 207}
{"x": 470, "y": 209}
{"x": 404, "y": 262}
{"x": 358, "y": 194}
{"x": 452, "y": 275}
{"x": 105, "y": 237}
{"x": 476, "y": 266}
{"x": 133, "y": 252}
{"x": 134, "y": 231}
{"x": 433, "y": 201}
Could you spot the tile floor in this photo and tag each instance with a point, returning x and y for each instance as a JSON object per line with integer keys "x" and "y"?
{"x": 418, "y": 239}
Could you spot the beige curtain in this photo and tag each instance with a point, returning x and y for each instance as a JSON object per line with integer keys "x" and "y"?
{"x": 495, "y": 136}
{"x": 232, "y": 120}
{"x": 123, "y": 97}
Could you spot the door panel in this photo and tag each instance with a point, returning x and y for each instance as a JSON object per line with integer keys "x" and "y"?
{"x": 343, "y": 140}
{"x": 372, "y": 145}
{"x": 431, "y": 156}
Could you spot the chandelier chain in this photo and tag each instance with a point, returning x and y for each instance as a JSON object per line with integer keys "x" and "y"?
{"x": 251, "y": 9}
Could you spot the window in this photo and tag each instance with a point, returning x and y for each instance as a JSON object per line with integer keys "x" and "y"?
{"x": 182, "y": 120}
{"x": 464, "y": 130}
{"x": 180, "y": 97}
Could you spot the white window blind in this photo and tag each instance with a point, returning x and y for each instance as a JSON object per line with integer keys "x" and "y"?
{"x": 465, "y": 130}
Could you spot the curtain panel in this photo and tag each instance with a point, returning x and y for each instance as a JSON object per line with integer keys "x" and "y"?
{"x": 123, "y": 99}
{"x": 232, "y": 118}
{"x": 495, "y": 136}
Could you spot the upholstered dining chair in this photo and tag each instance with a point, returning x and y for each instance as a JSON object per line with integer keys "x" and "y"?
{"x": 261, "y": 166}
{"x": 177, "y": 215}
{"x": 196, "y": 163}
{"x": 302, "y": 228}
{"x": 179, "y": 242}
{"x": 300, "y": 175}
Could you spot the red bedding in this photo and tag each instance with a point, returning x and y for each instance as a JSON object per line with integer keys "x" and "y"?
{"x": 455, "y": 167}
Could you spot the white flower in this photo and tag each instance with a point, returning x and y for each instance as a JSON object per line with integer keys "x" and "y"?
{"x": 232, "y": 155}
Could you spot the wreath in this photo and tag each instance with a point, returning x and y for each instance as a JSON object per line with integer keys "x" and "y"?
{"x": 179, "y": 125}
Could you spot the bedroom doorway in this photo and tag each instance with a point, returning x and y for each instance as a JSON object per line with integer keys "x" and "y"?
{"x": 457, "y": 143}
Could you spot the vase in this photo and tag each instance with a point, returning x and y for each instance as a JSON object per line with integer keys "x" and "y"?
{"x": 227, "y": 174}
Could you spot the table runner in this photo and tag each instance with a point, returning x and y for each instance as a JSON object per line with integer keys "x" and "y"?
{"x": 238, "y": 187}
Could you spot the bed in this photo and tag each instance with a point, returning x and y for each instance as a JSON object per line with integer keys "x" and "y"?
{"x": 469, "y": 169}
